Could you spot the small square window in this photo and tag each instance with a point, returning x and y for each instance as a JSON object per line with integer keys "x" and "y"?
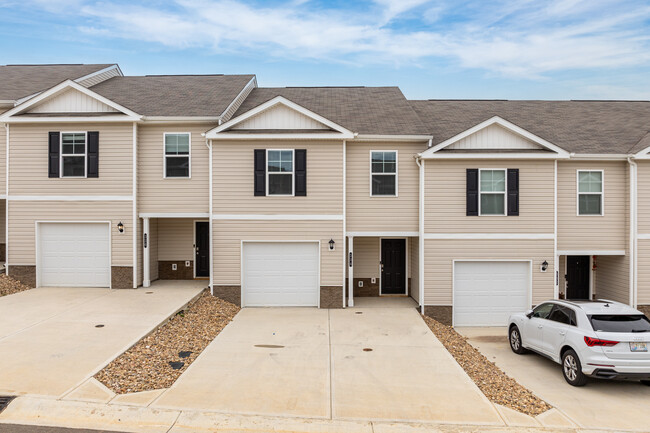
{"x": 73, "y": 154}
{"x": 177, "y": 154}
{"x": 383, "y": 173}
{"x": 590, "y": 192}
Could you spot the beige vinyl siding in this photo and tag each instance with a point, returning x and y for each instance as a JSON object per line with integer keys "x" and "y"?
{"x": 366, "y": 257}
{"x": 153, "y": 251}
{"x": 440, "y": 254}
{"x": 365, "y": 213}
{"x": 643, "y": 272}
{"x": 23, "y": 216}
{"x": 234, "y": 179}
{"x": 643, "y": 196}
{"x": 175, "y": 239}
{"x": 446, "y": 198}
{"x": 29, "y": 161}
{"x": 159, "y": 194}
{"x": 611, "y": 278}
{"x": 608, "y": 232}
{"x": 414, "y": 268}
{"x": 229, "y": 234}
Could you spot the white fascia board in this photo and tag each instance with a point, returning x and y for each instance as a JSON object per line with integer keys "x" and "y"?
{"x": 278, "y": 217}
{"x": 599, "y": 156}
{"x": 383, "y": 234}
{"x": 70, "y": 198}
{"x": 590, "y": 252}
{"x": 214, "y": 133}
{"x": 383, "y": 137}
{"x": 174, "y": 215}
{"x": 429, "y": 154}
{"x": 101, "y": 71}
{"x": 67, "y": 84}
{"x": 283, "y": 136}
{"x": 252, "y": 83}
{"x": 488, "y": 236}
{"x": 71, "y": 119}
{"x": 180, "y": 119}
{"x": 496, "y": 156}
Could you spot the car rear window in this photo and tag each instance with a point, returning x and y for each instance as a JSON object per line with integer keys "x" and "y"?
{"x": 620, "y": 323}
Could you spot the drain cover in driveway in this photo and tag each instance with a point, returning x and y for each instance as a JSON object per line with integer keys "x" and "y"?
{"x": 4, "y": 401}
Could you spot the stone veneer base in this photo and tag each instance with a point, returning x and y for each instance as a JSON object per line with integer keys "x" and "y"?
{"x": 441, "y": 313}
{"x": 182, "y": 272}
{"x": 331, "y": 297}
{"x": 121, "y": 277}
{"x": 24, "y": 274}
{"x": 231, "y": 294}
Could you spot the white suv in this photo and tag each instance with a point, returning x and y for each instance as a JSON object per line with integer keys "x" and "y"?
{"x": 601, "y": 339}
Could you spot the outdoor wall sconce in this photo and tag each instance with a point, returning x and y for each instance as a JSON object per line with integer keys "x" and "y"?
{"x": 544, "y": 266}
{"x": 120, "y": 227}
{"x": 332, "y": 243}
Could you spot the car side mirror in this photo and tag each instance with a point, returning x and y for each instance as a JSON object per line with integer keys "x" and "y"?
{"x": 529, "y": 313}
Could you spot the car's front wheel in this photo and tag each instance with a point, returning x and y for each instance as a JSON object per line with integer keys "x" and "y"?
{"x": 515, "y": 341}
{"x": 572, "y": 369}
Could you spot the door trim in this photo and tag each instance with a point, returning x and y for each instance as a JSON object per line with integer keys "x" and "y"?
{"x": 251, "y": 241}
{"x": 37, "y": 242}
{"x": 194, "y": 245}
{"x": 453, "y": 280}
{"x": 406, "y": 267}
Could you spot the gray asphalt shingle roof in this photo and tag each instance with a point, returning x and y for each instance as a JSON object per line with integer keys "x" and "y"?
{"x": 614, "y": 127}
{"x": 174, "y": 95}
{"x": 18, "y": 81}
{"x": 365, "y": 110}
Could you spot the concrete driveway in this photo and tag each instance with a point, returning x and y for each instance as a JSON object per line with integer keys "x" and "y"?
{"x": 598, "y": 405}
{"x": 49, "y": 340}
{"x": 358, "y": 363}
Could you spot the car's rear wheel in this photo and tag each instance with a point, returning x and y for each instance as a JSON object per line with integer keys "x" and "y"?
{"x": 515, "y": 340}
{"x": 572, "y": 369}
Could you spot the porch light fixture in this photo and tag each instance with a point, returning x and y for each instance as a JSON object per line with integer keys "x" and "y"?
{"x": 120, "y": 227}
{"x": 332, "y": 243}
{"x": 544, "y": 266}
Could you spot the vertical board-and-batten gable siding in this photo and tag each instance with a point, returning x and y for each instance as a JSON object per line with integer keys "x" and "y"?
{"x": 24, "y": 214}
{"x": 494, "y": 137}
{"x": 439, "y": 256}
{"x": 280, "y": 117}
{"x": 72, "y": 101}
{"x": 98, "y": 78}
{"x": 29, "y": 161}
{"x": 366, "y": 213}
{"x": 233, "y": 176}
{"x": 175, "y": 239}
{"x": 159, "y": 194}
{"x": 611, "y": 278}
{"x": 608, "y": 232}
{"x": 445, "y": 198}
{"x": 228, "y": 235}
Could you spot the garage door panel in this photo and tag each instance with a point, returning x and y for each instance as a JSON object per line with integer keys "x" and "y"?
{"x": 486, "y": 293}
{"x": 281, "y": 273}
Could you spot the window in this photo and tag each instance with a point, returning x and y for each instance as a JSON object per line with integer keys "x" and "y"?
{"x": 590, "y": 192}
{"x": 620, "y": 323}
{"x": 542, "y": 311}
{"x": 279, "y": 172}
{"x": 492, "y": 192}
{"x": 73, "y": 154}
{"x": 383, "y": 173}
{"x": 177, "y": 154}
{"x": 563, "y": 315}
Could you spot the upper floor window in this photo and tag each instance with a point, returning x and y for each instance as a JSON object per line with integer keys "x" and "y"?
{"x": 590, "y": 192}
{"x": 73, "y": 154}
{"x": 177, "y": 154}
{"x": 280, "y": 172}
{"x": 492, "y": 191}
{"x": 383, "y": 173}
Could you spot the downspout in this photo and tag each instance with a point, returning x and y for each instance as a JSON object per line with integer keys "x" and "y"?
{"x": 135, "y": 207}
{"x": 420, "y": 164}
{"x": 208, "y": 143}
{"x": 633, "y": 231}
{"x": 7, "y": 202}
{"x": 345, "y": 143}
{"x": 556, "y": 260}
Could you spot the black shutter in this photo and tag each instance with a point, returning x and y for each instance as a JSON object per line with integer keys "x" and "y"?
{"x": 53, "y": 154}
{"x": 260, "y": 172}
{"x": 93, "y": 154}
{"x": 513, "y": 192}
{"x": 472, "y": 192}
{"x": 301, "y": 172}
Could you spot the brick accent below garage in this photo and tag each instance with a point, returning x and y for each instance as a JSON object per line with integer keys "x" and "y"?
{"x": 331, "y": 297}
{"x": 121, "y": 277}
{"x": 441, "y": 313}
{"x": 182, "y": 272}
{"x": 231, "y": 294}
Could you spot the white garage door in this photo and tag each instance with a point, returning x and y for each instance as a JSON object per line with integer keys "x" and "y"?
{"x": 74, "y": 255}
{"x": 486, "y": 293}
{"x": 280, "y": 274}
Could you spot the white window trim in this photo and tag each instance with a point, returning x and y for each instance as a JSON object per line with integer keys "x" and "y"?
{"x": 505, "y": 192}
{"x": 601, "y": 193}
{"x": 61, "y": 154}
{"x": 165, "y": 156}
{"x": 293, "y": 172}
{"x": 384, "y": 174}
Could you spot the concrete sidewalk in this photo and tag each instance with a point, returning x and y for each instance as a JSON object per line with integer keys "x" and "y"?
{"x": 50, "y": 342}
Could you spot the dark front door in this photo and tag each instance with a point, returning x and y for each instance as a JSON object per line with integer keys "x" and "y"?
{"x": 393, "y": 266}
{"x": 202, "y": 247}
{"x": 577, "y": 277}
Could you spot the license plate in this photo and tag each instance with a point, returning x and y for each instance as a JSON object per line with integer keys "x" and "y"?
{"x": 638, "y": 347}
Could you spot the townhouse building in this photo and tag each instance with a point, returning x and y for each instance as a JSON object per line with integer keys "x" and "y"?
{"x": 319, "y": 196}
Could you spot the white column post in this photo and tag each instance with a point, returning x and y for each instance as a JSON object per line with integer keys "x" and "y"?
{"x": 146, "y": 242}
{"x": 350, "y": 260}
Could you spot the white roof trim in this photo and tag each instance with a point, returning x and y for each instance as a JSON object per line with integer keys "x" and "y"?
{"x": 384, "y": 137}
{"x": 280, "y": 136}
{"x": 429, "y": 153}
{"x": 252, "y": 82}
{"x": 101, "y": 71}
{"x": 67, "y": 84}
{"x": 218, "y": 132}
{"x": 590, "y": 252}
{"x": 645, "y": 153}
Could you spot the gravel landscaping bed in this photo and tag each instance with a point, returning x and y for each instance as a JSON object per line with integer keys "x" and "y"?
{"x": 160, "y": 358}
{"x": 495, "y": 384}
{"x": 9, "y": 286}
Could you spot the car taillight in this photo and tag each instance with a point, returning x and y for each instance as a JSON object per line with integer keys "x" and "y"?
{"x": 591, "y": 342}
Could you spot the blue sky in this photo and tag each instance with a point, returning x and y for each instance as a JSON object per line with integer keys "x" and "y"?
{"x": 470, "y": 49}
